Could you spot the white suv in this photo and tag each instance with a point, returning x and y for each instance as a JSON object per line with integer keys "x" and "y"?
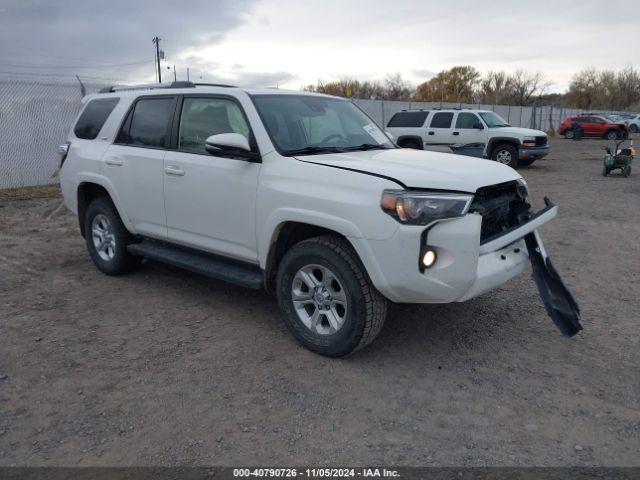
{"x": 485, "y": 130}
{"x": 301, "y": 194}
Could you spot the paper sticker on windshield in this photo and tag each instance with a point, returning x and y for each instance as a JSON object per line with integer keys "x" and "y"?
{"x": 375, "y": 132}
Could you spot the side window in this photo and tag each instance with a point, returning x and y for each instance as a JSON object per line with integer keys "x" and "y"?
{"x": 442, "y": 120}
{"x": 408, "y": 119}
{"x": 203, "y": 117}
{"x": 93, "y": 117}
{"x": 467, "y": 120}
{"x": 148, "y": 124}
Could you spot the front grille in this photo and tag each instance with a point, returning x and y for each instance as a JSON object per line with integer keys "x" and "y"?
{"x": 541, "y": 141}
{"x": 501, "y": 207}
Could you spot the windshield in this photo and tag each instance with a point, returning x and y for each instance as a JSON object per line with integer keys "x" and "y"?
{"x": 493, "y": 120}
{"x": 307, "y": 125}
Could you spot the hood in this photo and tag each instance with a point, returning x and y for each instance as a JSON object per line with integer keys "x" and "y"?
{"x": 518, "y": 132}
{"x": 421, "y": 168}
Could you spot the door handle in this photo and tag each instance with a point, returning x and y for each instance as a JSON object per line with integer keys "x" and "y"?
{"x": 173, "y": 170}
{"x": 456, "y": 133}
{"x": 432, "y": 133}
{"x": 116, "y": 162}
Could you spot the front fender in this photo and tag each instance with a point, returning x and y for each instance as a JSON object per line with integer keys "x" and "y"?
{"x": 279, "y": 217}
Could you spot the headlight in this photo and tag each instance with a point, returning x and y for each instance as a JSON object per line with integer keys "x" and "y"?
{"x": 529, "y": 141}
{"x": 423, "y": 208}
{"x": 522, "y": 188}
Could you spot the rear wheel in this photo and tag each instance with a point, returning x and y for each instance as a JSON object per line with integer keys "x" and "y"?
{"x": 327, "y": 299}
{"x": 627, "y": 171}
{"x": 506, "y": 154}
{"x": 411, "y": 144}
{"x": 107, "y": 238}
{"x": 605, "y": 172}
{"x": 569, "y": 134}
{"x": 633, "y": 128}
{"x": 612, "y": 135}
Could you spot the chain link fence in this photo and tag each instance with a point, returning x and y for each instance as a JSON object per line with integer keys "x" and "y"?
{"x": 37, "y": 113}
{"x": 35, "y": 117}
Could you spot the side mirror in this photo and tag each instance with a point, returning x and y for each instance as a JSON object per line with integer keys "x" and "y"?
{"x": 478, "y": 126}
{"x": 230, "y": 145}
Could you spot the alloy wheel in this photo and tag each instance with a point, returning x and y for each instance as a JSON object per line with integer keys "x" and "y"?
{"x": 319, "y": 299}
{"x": 103, "y": 237}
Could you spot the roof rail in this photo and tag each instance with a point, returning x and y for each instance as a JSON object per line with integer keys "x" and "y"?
{"x": 214, "y": 85}
{"x": 148, "y": 86}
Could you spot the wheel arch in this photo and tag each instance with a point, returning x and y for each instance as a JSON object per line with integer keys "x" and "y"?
{"x": 286, "y": 235}
{"x": 497, "y": 141}
{"x": 404, "y": 139}
{"x": 91, "y": 188}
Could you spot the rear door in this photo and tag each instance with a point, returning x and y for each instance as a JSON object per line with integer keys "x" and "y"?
{"x": 588, "y": 125}
{"x": 469, "y": 129}
{"x": 440, "y": 130}
{"x": 134, "y": 163}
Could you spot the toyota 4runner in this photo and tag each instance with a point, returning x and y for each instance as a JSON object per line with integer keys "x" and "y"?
{"x": 301, "y": 194}
{"x": 496, "y": 139}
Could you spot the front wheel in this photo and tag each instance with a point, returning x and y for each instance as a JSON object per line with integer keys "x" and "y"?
{"x": 612, "y": 135}
{"x": 569, "y": 134}
{"x": 107, "y": 238}
{"x": 506, "y": 154}
{"x": 634, "y": 128}
{"x": 327, "y": 299}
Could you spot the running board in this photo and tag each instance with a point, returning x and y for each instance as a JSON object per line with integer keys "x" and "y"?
{"x": 220, "y": 268}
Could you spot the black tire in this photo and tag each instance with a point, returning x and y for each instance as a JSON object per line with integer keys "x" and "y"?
{"x": 612, "y": 135}
{"x": 414, "y": 144}
{"x": 509, "y": 149}
{"x": 627, "y": 171}
{"x": 605, "y": 172}
{"x": 569, "y": 134}
{"x": 633, "y": 128}
{"x": 365, "y": 309}
{"x": 121, "y": 261}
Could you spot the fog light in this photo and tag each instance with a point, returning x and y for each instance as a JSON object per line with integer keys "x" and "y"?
{"x": 429, "y": 258}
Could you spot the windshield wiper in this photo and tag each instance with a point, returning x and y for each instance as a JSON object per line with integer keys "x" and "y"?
{"x": 311, "y": 150}
{"x": 365, "y": 146}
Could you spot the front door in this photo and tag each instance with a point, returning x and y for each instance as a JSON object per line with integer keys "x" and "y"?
{"x": 210, "y": 200}
{"x": 469, "y": 129}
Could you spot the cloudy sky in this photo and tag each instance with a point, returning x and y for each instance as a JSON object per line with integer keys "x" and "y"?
{"x": 292, "y": 43}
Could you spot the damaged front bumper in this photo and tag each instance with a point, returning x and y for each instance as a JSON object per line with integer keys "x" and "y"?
{"x": 558, "y": 300}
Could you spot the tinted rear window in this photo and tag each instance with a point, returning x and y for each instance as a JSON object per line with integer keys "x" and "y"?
{"x": 442, "y": 120}
{"x": 149, "y": 123}
{"x": 93, "y": 117}
{"x": 408, "y": 119}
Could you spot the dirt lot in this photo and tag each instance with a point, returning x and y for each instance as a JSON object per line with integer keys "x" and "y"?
{"x": 166, "y": 367}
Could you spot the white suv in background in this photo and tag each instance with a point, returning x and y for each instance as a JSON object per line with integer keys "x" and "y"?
{"x": 487, "y": 131}
{"x": 301, "y": 194}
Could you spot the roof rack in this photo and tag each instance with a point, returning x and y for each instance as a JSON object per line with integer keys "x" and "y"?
{"x": 214, "y": 85}
{"x": 154, "y": 86}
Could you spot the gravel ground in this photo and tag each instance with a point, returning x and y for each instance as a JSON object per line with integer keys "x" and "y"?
{"x": 163, "y": 367}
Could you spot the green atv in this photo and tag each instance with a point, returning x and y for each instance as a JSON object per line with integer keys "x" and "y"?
{"x": 620, "y": 160}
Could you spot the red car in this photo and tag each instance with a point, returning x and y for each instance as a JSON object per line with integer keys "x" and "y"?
{"x": 593, "y": 126}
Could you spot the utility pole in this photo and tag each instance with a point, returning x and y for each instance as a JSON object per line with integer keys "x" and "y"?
{"x": 175, "y": 78}
{"x": 187, "y": 74}
{"x": 156, "y": 41}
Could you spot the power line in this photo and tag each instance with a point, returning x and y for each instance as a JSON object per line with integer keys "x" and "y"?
{"x": 17, "y": 65}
